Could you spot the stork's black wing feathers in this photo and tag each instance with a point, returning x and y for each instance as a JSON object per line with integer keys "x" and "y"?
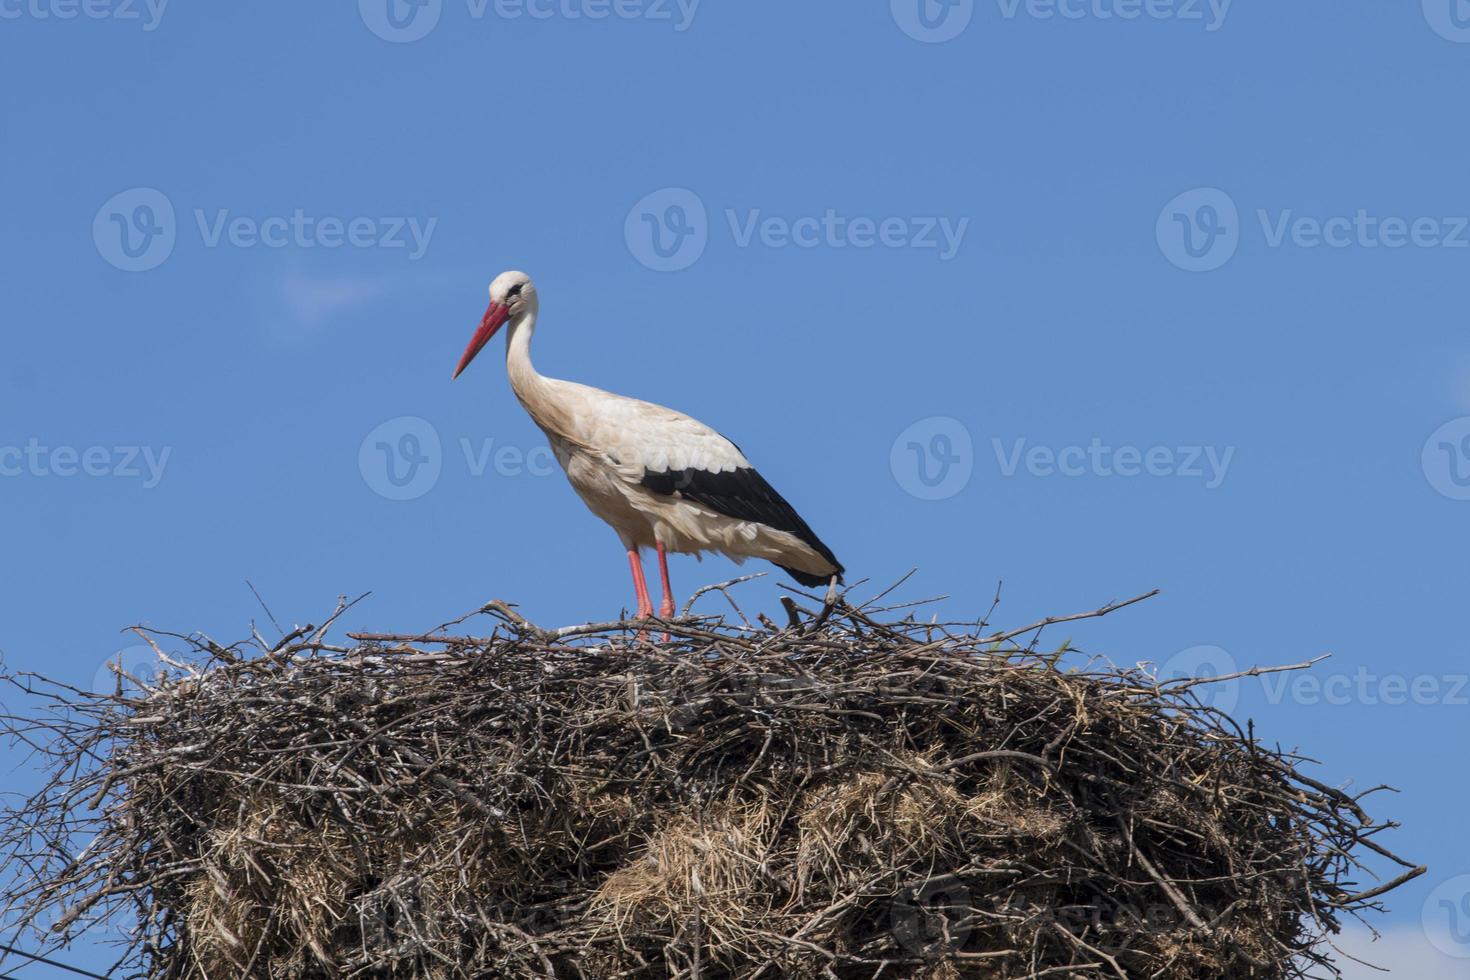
{"x": 746, "y": 496}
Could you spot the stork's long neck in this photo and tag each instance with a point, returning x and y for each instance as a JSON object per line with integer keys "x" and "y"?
{"x": 530, "y": 387}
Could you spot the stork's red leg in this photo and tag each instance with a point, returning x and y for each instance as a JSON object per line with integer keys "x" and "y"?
{"x": 640, "y": 585}
{"x": 666, "y": 608}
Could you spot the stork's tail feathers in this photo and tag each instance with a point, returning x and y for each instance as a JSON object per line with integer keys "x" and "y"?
{"x": 808, "y": 579}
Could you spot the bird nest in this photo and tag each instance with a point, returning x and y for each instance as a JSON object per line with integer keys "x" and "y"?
{"x": 862, "y": 799}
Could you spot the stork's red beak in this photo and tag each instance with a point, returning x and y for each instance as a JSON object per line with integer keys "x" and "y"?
{"x": 494, "y": 319}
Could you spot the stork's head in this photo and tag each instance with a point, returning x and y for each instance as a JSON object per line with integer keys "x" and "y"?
{"x": 511, "y": 295}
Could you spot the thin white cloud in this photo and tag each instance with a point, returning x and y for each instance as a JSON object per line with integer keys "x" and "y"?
{"x": 311, "y": 301}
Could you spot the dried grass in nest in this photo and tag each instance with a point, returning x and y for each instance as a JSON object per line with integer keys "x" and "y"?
{"x": 864, "y": 799}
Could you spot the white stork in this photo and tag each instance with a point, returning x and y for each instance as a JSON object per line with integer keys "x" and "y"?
{"x": 661, "y": 479}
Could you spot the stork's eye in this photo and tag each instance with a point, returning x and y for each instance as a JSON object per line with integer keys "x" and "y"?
{"x": 514, "y": 290}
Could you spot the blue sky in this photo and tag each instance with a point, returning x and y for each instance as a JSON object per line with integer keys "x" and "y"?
{"x": 1088, "y": 296}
